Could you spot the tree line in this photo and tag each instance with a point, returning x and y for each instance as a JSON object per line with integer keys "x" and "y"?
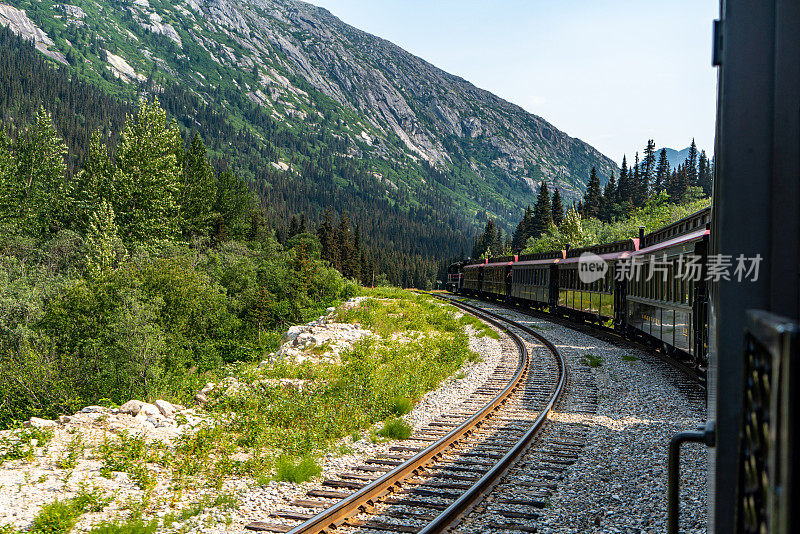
{"x": 645, "y": 181}
{"x": 404, "y": 240}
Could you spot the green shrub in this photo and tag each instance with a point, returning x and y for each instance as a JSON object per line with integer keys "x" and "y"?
{"x": 129, "y": 454}
{"x": 290, "y": 469}
{"x": 56, "y": 518}
{"x": 592, "y": 360}
{"x": 401, "y": 405}
{"x": 395, "y": 429}
{"x": 20, "y": 443}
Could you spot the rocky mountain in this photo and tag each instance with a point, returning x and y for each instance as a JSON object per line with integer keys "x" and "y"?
{"x": 419, "y": 130}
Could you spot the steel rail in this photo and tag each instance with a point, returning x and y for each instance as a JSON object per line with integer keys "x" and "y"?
{"x": 365, "y": 498}
{"x": 450, "y": 517}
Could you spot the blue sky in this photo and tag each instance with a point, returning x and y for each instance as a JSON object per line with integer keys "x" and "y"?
{"x": 611, "y": 72}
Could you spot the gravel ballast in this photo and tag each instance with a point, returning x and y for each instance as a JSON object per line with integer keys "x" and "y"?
{"x": 619, "y": 482}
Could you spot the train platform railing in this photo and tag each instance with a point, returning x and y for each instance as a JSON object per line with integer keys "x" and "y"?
{"x": 768, "y": 478}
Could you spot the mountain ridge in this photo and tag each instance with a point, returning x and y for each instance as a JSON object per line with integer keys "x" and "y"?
{"x": 408, "y": 109}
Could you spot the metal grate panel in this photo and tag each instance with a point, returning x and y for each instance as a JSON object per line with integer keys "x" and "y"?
{"x": 769, "y": 422}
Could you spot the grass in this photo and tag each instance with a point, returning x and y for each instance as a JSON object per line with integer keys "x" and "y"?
{"x": 401, "y": 405}
{"x": 479, "y": 326}
{"x": 59, "y": 517}
{"x": 592, "y": 360}
{"x": 21, "y": 444}
{"x": 128, "y": 454}
{"x": 56, "y": 518}
{"x": 290, "y": 469}
{"x": 395, "y": 429}
{"x": 75, "y": 450}
{"x": 629, "y": 358}
{"x": 224, "y": 501}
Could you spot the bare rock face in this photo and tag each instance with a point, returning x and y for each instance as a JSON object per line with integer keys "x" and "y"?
{"x": 19, "y": 22}
{"x": 72, "y": 11}
{"x": 401, "y": 94}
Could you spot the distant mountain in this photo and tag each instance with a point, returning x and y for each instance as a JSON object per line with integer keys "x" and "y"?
{"x": 677, "y": 157}
{"x": 271, "y": 64}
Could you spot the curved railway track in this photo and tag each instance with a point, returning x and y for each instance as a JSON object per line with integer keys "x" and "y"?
{"x": 441, "y": 473}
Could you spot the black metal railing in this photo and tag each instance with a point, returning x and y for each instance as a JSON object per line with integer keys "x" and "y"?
{"x": 767, "y": 440}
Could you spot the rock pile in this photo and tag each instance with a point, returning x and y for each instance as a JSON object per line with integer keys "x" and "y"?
{"x": 321, "y": 340}
{"x": 160, "y": 420}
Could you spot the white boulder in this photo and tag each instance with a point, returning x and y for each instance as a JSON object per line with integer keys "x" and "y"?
{"x": 36, "y": 422}
{"x": 150, "y": 409}
{"x": 166, "y": 409}
{"x": 131, "y": 407}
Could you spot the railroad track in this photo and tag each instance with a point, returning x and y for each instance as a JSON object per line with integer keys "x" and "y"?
{"x": 432, "y": 481}
{"x": 684, "y": 377}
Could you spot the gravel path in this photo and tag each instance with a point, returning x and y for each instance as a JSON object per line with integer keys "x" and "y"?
{"x": 618, "y": 483}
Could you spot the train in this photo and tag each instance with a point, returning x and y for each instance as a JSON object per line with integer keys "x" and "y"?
{"x": 653, "y": 288}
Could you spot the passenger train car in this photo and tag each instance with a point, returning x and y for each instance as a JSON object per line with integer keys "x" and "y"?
{"x": 653, "y": 288}
{"x": 666, "y": 303}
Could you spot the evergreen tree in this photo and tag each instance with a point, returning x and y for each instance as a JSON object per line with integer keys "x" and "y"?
{"x": 662, "y": 172}
{"x": 93, "y": 181}
{"x": 45, "y": 202}
{"x": 678, "y": 184}
{"x": 637, "y": 189}
{"x": 146, "y": 183}
{"x": 293, "y": 227}
{"x": 498, "y": 247}
{"x": 303, "y": 227}
{"x": 198, "y": 191}
{"x": 8, "y": 180}
{"x": 485, "y": 241}
{"x": 690, "y": 166}
{"x": 542, "y": 211}
{"x": 325, "y": 233}
{"x": 648, "y": 169}
{"x": 593, "y": 197}
{"x": 624, "y": 186}
{"x": 103, "y": 247}
{"x": 704, "y": 174}
{"x": 608, "y": 202}
{"x": 233, "y": 205}
{"x": 523, "y": 231}
{"x": 344, "y": 246}
{"x": 557, "y": 208}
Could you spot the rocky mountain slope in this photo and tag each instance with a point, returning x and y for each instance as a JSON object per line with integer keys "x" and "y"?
{"x": 420, "y": 130}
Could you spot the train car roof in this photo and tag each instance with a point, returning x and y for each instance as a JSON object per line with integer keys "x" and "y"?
{"x": 623, "y": 245}
{"x": 542, "y": 258}
{"x": 499, "y": 263}
{"x": 609, "y": 256}
{"x": 687, "y": 225}
{"x": 680, "y": 240}
{"x": 547, "y": 261}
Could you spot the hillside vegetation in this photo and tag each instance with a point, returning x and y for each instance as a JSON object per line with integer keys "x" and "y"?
{"x": 138, "y": 274}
